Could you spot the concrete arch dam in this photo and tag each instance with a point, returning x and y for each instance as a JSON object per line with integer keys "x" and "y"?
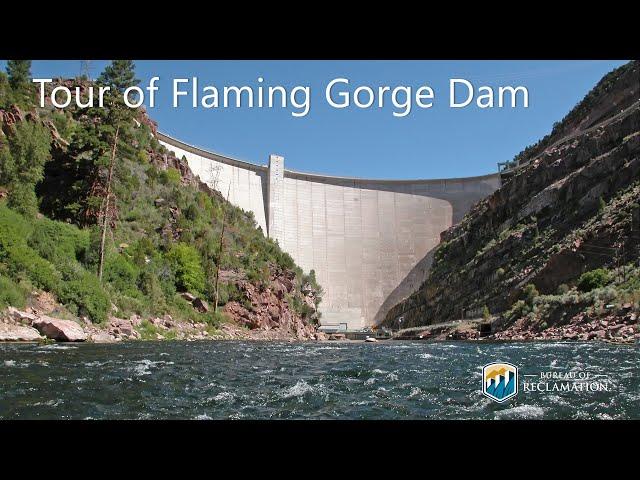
{"x": 369, "y": 241}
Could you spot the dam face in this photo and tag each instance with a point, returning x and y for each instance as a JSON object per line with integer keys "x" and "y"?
{"x": 369, "y": 241}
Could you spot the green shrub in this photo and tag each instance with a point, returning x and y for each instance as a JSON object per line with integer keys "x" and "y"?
{"x": 57, "y": 241}
{"x": 204, "y": 202}
{"x": 20, "y": 258}
{"x": 170, "y": 176}
{"x": 563, "y": 289}
{"x": 518, "y": 310}
{"x": 62, "y": 123}
{"x": 570, "y": 298}
{"x": 22, "y": 197}
{"x": 187, "y": 267}
{"x": 214, "y": 319}
{"x": 147, "y": 330}
{"x": 11, "y": 294}
{"x": 143, "y": 137}
{"x": 142, "y": 250}
{"x": 607, "y": 295}
{"x": 601, "y": 204}
{"x": 23, "y": 259}
{"x": 486, "y": 314}
{"x": 59, "y": 272}
{"x": 122, "y": 274}
{"x": 192, "y": 212}
{"x": 229, "y": 292}
{"x": 14, "y": 228}
{"x": 594, "y": 279}
{"x": 143, "y": 157}
{"x": 530, "y": 293}
{"x": 300, "y": 307}
{"x": 312, "y": 280}
{"x": 153, "y": 175}
{"x": 128, "y": 306}
{"x": 5, "y": 91}
{"x": 151, "y": 287}
{"x": 258, "y": 274}
{"x": 22, "y": 161}
{"x": 86, "y": 297}
{"x": 441, "y": 251}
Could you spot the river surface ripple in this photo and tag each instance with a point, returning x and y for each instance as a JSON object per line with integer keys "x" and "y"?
{"x": 260, "y": 380}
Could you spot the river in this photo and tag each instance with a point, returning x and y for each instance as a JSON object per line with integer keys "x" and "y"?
{"x": 329, "y": 380}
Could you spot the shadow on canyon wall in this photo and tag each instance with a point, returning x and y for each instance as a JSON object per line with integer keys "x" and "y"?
{"x": 419, "y": 273}
{"x": 409, "y": 284}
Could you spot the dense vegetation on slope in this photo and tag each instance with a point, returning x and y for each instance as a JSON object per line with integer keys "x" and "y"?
{"x": 571, "y": 208}
{"x": 62, "y": 190}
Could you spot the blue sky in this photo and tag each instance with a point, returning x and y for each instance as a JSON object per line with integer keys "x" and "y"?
{"x": 432, "y": 143}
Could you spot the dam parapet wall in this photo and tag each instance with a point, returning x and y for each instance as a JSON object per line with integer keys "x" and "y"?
{"x": 368, "y": 240}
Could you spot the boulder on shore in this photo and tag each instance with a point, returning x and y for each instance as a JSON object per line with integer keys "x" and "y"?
{"x": 18, "y": 333}
{"x": 321, "y": 336}
{"x": 200, "y": 305}
{"x": 102, "y": 337}
{"x": 60, "y": 330}
{"x": 119, "y": 326}
{"x": 337, "y": 336}
{"x": 20, "y": 316}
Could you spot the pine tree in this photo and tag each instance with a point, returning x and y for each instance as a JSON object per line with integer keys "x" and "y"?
{"x": 120, "y": 75}
{"x": 19, "y": 72}
{"x": 5, "y": 90}
{"x": 94, "y": 139}
{"x": 22, "y": 165}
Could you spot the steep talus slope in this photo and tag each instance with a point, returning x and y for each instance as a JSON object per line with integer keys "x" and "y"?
{"x": 570, "y": 207}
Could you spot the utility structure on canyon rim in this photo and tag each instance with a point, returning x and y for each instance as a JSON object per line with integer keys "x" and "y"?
{"x": 369, "y": 241}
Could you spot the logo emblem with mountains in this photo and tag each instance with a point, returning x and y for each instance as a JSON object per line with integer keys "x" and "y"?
{"x": 500, "y": 381}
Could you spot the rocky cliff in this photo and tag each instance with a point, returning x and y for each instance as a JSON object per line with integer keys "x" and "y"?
{"x": 569, "y": 206}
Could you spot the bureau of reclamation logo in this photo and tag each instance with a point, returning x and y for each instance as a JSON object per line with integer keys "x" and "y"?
{"x": 499, "y": 381}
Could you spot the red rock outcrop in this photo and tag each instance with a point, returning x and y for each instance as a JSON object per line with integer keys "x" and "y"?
{"x": 270, "y": 311}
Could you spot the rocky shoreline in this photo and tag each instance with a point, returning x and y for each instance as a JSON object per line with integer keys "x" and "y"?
{"x": 24, "y": 326}
{"x": 32, "y": 325}
{"x": 41, "y": 322}
{"x": 620, "y": 327}
{"x": 265, "y": 315}
{"x": 612, "y": 328}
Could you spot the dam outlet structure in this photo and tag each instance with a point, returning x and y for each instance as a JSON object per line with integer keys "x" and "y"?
{"x": 369, "y": 241}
